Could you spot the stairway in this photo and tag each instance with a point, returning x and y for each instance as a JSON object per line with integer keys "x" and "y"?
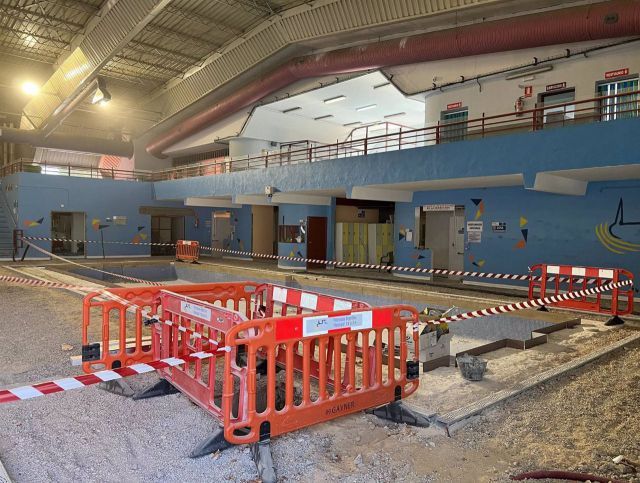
{"x": 6, "y": 229}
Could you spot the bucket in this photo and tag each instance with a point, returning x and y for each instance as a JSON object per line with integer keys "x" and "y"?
{"x": 472, "y": 368}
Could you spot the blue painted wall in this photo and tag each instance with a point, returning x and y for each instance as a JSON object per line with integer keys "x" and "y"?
{"x": 38, "y": 195}
{"x": 560, "y": 229}
{"x": 591, "y": 145}
{"x": 291, "y": 215}
{"x": 241, "y": 223}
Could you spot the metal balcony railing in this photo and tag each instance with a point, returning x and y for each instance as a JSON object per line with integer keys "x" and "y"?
{"x": 597, "y": 109}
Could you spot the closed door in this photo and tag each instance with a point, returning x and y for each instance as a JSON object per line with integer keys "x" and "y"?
{"x": 221, "y": 231}
{"x": 437, "y": 235}
{"x": 316, "y": 240}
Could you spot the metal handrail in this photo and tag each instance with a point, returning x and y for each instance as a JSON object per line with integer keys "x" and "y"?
{"x": 525, "y": 120}
{"x": 583, "y": 111}
{"x": 8, "y": 205}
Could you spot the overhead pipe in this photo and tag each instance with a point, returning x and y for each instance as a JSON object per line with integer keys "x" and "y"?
{"x": 577, "y": 24}
{"x": 52, "y": 123}
{"x": 67, "y": 142}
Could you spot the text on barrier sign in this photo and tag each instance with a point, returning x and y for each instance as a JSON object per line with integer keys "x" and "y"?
{"x": 324, "y": 324}
{"x": 195, "y": 310}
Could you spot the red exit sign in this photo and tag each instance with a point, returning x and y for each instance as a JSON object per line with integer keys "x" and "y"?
{"x": 454, "y": 105}
{"x": 616, "y": 73}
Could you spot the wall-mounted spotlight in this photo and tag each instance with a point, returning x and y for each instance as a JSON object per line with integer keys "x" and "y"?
{"x": 102, "y": 96}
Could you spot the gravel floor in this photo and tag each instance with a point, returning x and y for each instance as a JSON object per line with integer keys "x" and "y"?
{"x": 92, "y": 435}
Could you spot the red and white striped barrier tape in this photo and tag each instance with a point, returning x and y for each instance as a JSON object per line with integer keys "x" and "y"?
{"x": 428, "y": 271}
{"x": 418, "y": 270}
{"x": 88, "y": 267}
{"x": 75, "y": 382}
{"x": 106, "y": 294}
{"x": 530, "y": 304}
{"x": 98, "y": 242}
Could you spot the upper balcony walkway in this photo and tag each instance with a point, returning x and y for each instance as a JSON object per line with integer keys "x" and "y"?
{"x": 598, "y": 110}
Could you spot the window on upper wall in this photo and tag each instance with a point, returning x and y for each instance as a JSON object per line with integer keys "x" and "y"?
{"x": 622, "y": 106}
{"x": 453, "y": 125}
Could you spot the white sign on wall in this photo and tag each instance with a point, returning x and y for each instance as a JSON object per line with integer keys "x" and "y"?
{"x": 474, "y": 231}
{"x": 439, "y": 207}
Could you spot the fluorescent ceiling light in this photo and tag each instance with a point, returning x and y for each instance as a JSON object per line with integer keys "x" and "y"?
{"x": 291, "y": 109}
{"x": 323, "y": 117}
{"x": 384, "y": 84}
{"x": 397, "y": 114}
{"x": 352, "y": 124}
{"x": 366, "y": 108}
{"x": 334, "y": 99}
{"x": 527, "y": 72}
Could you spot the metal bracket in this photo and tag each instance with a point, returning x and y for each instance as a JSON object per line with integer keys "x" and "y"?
{"x": 91, "y": 352}
{"x": 413, "y": 370}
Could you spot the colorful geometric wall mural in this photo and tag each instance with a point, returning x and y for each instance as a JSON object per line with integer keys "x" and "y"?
{"x": 613, "y": 242}
{"x": 525, "y": 234}
{"x": 33, "y": 223}
{"x": 480, "y": 204}
{"x": 417, "y": 256}
{"x": 476, "y": 263}
{"x": 140, "y": 236}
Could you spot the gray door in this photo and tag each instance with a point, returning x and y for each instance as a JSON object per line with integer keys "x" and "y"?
{"x": 221, "y": 231}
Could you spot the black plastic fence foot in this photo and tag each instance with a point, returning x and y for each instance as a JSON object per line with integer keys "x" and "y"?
{"x": 117, "y": 386}
{"x": 160, "y": 388}
{"x": 399, "y": 413}
{"x": 615, "y": 320}
{"x": 543, "y": 309}
{"x": 261, "y": 453}
{"x": 213, "y": 443}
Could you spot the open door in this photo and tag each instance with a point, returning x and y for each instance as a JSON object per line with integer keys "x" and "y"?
{"x": 316, "y": 240}
{"x": 68, "y": 226}
{"x": 263, "y": 232}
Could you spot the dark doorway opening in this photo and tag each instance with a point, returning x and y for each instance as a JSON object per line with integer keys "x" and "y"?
{"x": 166, "y": 229}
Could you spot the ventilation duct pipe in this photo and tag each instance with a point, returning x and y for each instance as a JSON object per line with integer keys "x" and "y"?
{"x": 36, "y": 138}
{"x": 590, "y": 22}
{"x": 65, "y": 110}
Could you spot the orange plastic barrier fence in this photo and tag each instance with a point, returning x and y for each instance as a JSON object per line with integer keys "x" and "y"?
{"x": 546, "y": 280}
{"x": 294, "y": 358}
{"x": 115, "y": 336}
{"x": 187, "y": 251}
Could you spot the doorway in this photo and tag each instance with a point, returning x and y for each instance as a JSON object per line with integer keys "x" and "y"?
{"x": 220, "y": 231}
{"x": 166, "y": 229}
{"x": 264, "y": 228}
{"x": 70, "y": 226}
{"x": 316, "y": 240}
{"x": 444, "y": 236}
{"x": 556, "y": 115}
